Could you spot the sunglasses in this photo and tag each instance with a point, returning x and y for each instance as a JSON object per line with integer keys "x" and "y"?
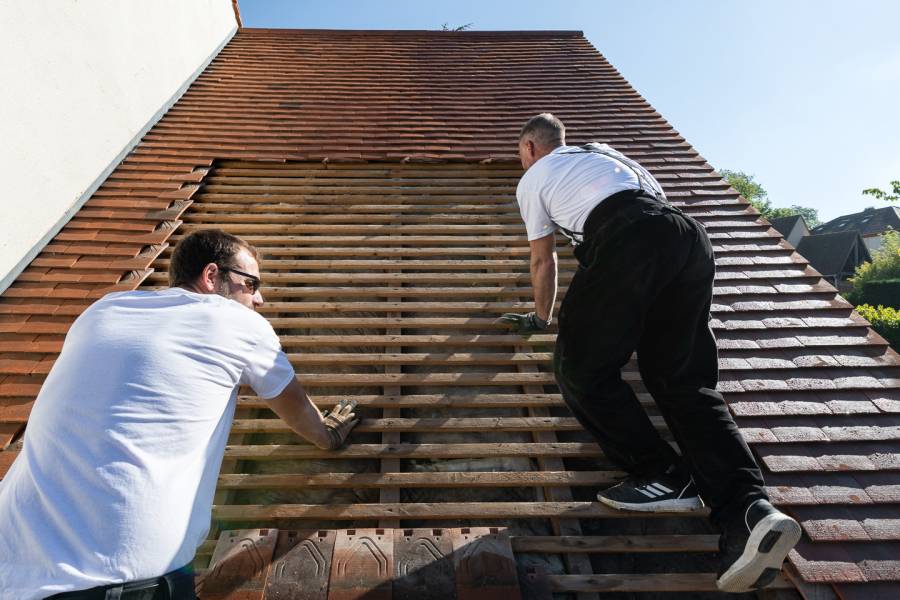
{"x": 251, "y": 281}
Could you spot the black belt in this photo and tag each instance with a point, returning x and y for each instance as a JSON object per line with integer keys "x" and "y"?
{"x": 172, "y": 581}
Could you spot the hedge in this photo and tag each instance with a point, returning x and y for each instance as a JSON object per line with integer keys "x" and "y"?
{"x": 883, "y": 292}
{"x": 885, "y": 320}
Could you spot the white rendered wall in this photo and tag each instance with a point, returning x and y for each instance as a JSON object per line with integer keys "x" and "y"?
{"x": 80, "y": 82}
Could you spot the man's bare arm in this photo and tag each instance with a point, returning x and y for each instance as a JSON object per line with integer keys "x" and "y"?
{"x": 543, "y": 275}
{"x": 297, "y": 410}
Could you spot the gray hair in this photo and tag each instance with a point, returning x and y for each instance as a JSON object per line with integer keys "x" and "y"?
{"x": 545, "y": 130}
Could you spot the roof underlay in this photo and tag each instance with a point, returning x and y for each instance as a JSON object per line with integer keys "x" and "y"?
{"x": 377, "y": 171}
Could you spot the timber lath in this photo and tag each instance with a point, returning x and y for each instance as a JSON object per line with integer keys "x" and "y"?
{"x": 398, "y": 313}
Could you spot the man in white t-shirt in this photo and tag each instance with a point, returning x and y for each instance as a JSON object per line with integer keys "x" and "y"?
{"x": 112, "y": 491}
{"x": 644, "y": 282}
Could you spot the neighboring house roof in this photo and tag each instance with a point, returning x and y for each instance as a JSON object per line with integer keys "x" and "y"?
{"x": 829, "y": 253}
{"x": 871, "y": 221}
{"x": 257, "y": 142}
{"x": 785, "y": 225}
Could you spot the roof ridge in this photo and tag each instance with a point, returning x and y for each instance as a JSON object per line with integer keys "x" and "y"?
{"x": 511, "y": 32}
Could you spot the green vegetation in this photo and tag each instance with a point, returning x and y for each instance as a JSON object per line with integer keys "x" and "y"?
{"x": 884, "y": 267}
{"x": 876, "y": 289}
{"x": 885, "y": 320}
{"x": 747, "y": 186}
{"x": 886, "y": 196}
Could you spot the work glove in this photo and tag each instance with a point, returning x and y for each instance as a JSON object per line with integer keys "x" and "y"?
{"x": 527, "y": 323}
{"x": 339, "y": 421}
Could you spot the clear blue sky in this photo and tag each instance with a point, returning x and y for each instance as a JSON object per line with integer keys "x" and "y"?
{"x": 803, "y": 94}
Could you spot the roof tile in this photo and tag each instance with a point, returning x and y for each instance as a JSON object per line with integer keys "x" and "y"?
{"x": 833, "y": 530}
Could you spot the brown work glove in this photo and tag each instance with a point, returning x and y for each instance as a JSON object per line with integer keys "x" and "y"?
{"x": 339, "y": 421}
{"x": 527, "y": 323}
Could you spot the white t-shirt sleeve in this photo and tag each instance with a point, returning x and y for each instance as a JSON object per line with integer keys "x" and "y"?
{"x": 268, "y": 369}
{"x": 538, "y": 223}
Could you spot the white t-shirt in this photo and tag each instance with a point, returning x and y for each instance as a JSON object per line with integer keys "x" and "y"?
{"x": 562, "y": 188}
{"x": 116, "y": 478}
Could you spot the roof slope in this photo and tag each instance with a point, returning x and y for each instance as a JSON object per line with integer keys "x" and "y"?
{"x": 871, "y": 221}
{"x": 813, "y": 389}
{"x": 829, "y": 252}
{"x": 784, "y": 225}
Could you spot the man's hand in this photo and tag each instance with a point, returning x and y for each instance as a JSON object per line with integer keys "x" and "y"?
{"x": 338, "y": 423}
{"x": 527, "y": 323}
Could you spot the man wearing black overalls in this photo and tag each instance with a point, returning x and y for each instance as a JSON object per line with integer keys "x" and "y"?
{"x": 644, "y": 282}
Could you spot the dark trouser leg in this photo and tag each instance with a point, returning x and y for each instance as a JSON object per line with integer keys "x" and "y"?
{"x": 647, "y": 284}
{"x": 600, "y": 323}
{"x": 679, "y": 365}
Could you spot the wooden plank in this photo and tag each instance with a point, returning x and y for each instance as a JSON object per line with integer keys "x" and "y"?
{"x": 456, "y": 358}
{"x": 390, "y": 278}
{"x": 248, "y": 229}
{"x": 645, "y": 582}
{"x": 435, "y": 424}
{"x": 455, "y": 340}
{"x": 418, "y": 451}
{"x": 387, "y": 291}
{"x": 386, "y": 252}
{"x": 349, "y": 268}
{"x": 425, "y": 379}
{"x": 437, "y": 479}
{"x": 363, "y": 565}
{"x": 434, "y": 510}
{"x": 474, "y": 400}
{"x": 297, "y": 210}
{"x": 351, "y": 218}
{"x": 391, "y": 307}
{"x": 613, "y": 544}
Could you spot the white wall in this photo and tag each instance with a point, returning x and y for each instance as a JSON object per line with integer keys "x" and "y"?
{"x": 80, "y": 82}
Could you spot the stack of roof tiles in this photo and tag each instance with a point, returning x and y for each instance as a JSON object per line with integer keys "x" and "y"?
{"x": 813, "y": 389}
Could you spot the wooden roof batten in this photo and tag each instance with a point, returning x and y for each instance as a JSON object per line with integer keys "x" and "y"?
{"x": 264, "y": 145}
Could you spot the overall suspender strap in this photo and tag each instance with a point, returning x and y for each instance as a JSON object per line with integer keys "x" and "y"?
{"x": 577, "y": 237}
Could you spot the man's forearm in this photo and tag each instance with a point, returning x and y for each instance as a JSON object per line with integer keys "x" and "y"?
{"x": 301, "y": 415}
{"x": 543, "y": 281}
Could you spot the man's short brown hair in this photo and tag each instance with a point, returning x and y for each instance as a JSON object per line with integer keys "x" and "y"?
{"x": 198, "y": 249}
{"x": 545, "y": 130}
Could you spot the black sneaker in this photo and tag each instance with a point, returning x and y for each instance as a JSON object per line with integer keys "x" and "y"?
{"x": 667, "y": 492}
{"x": 752, "y": 552}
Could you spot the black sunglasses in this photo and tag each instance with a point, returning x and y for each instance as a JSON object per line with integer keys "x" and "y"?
{"x": 252, "y": 282}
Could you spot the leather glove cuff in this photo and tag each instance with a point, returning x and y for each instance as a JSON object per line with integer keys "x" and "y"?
{"x": 538, "y": 322}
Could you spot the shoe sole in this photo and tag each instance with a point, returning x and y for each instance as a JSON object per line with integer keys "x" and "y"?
{"x": 765, "y": 551}
{"x": 679, "y": 505}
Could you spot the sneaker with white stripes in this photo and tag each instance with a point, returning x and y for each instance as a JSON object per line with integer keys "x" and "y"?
{"x": 665, "y": 492}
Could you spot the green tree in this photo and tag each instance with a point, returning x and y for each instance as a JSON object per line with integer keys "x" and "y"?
{"x": 886, "y": 196}
{"x": 885, "y": 265}
{"x": 747, "y": 186}
{"x": 810, "y": 215}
